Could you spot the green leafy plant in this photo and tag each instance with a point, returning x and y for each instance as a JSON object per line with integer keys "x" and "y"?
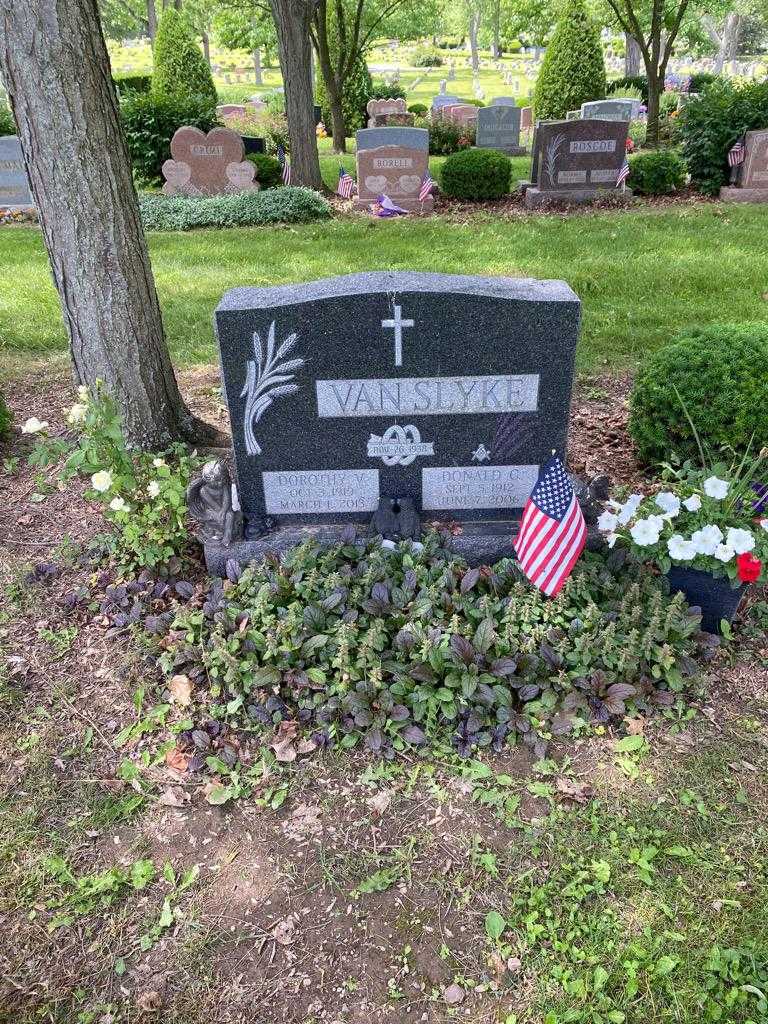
{"x": 128, "y": 82}
{"x": 79, "y": 896}
{"x": 718, "y": 375}
{"x": 710, "y": 125}
{"x": 287, "y": 205}
{"x": 7, "y": 124}
{"x": 446, "y": 137}
{"x": 618, "y": 86}
{"x": 269, "y": 172}
{"x": 572, "y": 72}
{"x": 657, "y": 172}
{"x": 419, "y": 109}
{"x": 180, "y": 69}
{"x": 6, "y": 418}
{"x": 427, "y": 59}
{"x": 476, "y": 174}
{"x": 150, "y": 122}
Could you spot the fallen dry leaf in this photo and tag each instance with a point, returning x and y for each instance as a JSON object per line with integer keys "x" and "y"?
{"x": 180, "y": 688}
{"x": 283, "y": 743}
{"x": 379, "y": 804}
{"x": 283, "y": 931}
{"x": 174, "y": 796}
{"x": 635, "y": 726}
{"x": 570, "y": 789}
{"x": 175, "y": 759}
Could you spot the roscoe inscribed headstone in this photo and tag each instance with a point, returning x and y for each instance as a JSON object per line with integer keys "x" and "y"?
{"x": 14, "y": 187}
{"x": 573, "y": 160}
{"x": 207, "y": 165}
{"x": 750, "y": 180}
{"x": 392, "y": 162}
{"x": 447, "y": 390}
{"x": 498, "y": 127}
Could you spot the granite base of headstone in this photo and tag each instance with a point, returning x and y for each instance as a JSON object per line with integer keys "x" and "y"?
{"x": 393, "y": 162}
{"x": 437, "y": 392}
{"x": 749, "y": 179}
{"x": 15, "y": 193}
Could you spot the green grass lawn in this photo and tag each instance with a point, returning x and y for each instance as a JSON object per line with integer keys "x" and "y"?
{"x": 642, "y": 275}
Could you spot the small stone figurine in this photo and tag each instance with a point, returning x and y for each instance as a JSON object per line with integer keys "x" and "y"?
{"x": 397, "y": 519}
{"x": 592, "y": 495}
{"x": 209, "y": 498}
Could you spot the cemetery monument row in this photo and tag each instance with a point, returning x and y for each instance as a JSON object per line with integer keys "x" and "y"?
{"x": 573, "y": 161}
{"x": 395, "y": 393}
{"x": 15, "y": 193}
{"x": 749, "y": 179}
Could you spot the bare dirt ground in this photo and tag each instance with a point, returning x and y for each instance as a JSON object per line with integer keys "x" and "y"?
{"x": 362, "y": 896}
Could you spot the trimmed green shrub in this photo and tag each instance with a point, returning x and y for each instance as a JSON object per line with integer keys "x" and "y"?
{"x": 286, "y": 205}
{"x": 6, "y": 418}
{"x": 572, "y": 71}
{"x": 128, "y": 82}
{"x": 427, "y": 59}
{"x": 269, "y": 172}
{"x": 657, "y": 172}
{"x": 445, "y": 137}
{"x": 381, "y": 91}
{"x": 358, "y": 89}
{"x": 720, "y": 373}
{"x": 639, "y": 82}
{"x": 180, "y": 69}
{"x": 150, "y": 122}
{"x": 7, "y": 124}
{"x": 699, "y": 80}
{"x": 419, "y": 109}
{"x": 476, "y": 174}
{"x": 710, "y": 125}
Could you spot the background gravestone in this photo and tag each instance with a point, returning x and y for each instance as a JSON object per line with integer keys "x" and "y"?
{"x": 498, "y": 127}
{"x": 447, "y": 390}
{"x": 378, "y": 108}
{"x": 207, "y": 165}
{"x": 611, "y": 110}
{"x": 503, "y": 101}
{"x": 392, "y": 162}
{"x": 751, "y": 185}
{"x": 15, "y": 193}
{"x": 573, "y": 161}
{"x": 443, "y": 100}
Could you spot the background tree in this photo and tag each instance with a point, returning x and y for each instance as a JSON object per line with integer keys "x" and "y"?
{"x": 126, "y": 19}
{"x": 572, "y": 71}
{"x": 54, "y": 64}
{"x": 180, "y": 69}
{"x": 250, "y": 29}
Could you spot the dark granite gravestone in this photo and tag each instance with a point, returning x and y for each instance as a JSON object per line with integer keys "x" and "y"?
{"x": 15, "y": 193}
{"x": 749, "y": 181}
{"x": 449, "y": 391}
{"x": 498, "y": 127}
{"x": 576, "y": 161}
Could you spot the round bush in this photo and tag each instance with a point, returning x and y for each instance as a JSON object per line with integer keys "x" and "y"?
{"x": 420, "y": 109}
{"x": 572, "y": 72}
{"x": 427, "y": 59}
{"x": 476, "y": 174}
{"x": 657, "y": 172}
{"x": 180, "y": 69}
{"x": 286, "y": 205}
{"x": 720, "y": 373}
{"x": 269, "y": 171}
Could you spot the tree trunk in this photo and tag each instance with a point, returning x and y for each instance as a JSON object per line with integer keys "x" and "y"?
{"x": 632, "y": 56}
{"x": 56, "y": 70}
{"x": 206, "y": 47}
{"x": 258, "y": 75}
{"x": 655, "y": 88}
{"x": 292, "y": 20}
{"x": 338, "y": 127}
{"x": 496, "y": 27}
{"x": 736, "y": 22}
{"x": 474, "y": 27}
{"x": 151, "y": 21}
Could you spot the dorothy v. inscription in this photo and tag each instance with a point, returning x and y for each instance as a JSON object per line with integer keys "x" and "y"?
{"x": 449, "y": 391}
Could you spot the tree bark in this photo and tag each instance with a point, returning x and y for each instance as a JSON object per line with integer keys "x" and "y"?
{"x": 474, "y": 28}
{"x": 206, "y": 47}
{"x": 151, "y": 21}
{"x": 333, "y": 78}
{"x": 632, "y": 56}
{"x": 56, "y": 71}
{"x": 496, "y": 30}
{"x": 257, "y": 71}
{"x": 292, "y": 21}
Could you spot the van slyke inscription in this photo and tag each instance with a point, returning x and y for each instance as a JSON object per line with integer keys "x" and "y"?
{"x": 427, "y": 396}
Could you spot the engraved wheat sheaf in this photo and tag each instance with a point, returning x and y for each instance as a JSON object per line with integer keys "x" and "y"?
{"x": 553, "y": 150}
{"x": 267, "y": 378}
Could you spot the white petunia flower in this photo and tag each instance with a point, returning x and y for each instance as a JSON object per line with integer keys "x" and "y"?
{"x": 154, "y": 489}
{"x": 764, "y": 524}
{"x": 157, "y": 463}
{"x": 716, "y": 488}
{"x": 707, "y": 539}
{"x": 101, "y": 481}
{"x": 607, "y": 522}
{"x": 680, "y": 549}
{"x": 77, "y": 414}
{"x": 740, "y": 540}
{"x": 645, "y": 532}
{"x": 83, "y": 393}
{"x": 723, "y": 553}
{"x": 628, "y": 509}
{"x": 669, "y": 503}
{"x": 611, "y": 539}
{"x": 34, "y": 425}
{"x": 693, "y": 504}
{"x": 118, "y": 505}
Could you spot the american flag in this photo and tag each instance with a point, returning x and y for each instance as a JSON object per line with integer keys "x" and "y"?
{"x": 737, "y": 152}
{"x": 552, "y": 531}
{"x": 623, "y": 173}
{"x": 285, "y": 164}
{"x": 427, "y": 184}
{"x": 346, "y": 185}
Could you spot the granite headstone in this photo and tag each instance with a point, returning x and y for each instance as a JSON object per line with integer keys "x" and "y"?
{"x": 15, "y": 193}
{"x": 392, "y": 162}
{"x": 750, "y": 178}
{"x": 207, "y": 165}
{"x": 498, "y": 127}
{"x": 503, "y": 101}
{"x": 443, "y": 100}
{"x": 611, "y": 110}
{"x": 449, "y": 391}
{"x": 573, "y": 161}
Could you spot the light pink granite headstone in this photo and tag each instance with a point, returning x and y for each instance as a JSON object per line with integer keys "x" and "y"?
{"x": 207, "y": 165}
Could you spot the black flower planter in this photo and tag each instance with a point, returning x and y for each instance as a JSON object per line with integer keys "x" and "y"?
{"x": 713, "y": 594}
{"x": 252, "y": 144}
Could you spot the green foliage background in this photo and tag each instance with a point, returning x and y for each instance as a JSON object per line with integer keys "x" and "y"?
{"x": 657, "y": 172}
{"x": 572, "y": 71}
{"x": 180, "y": 69}
{"x": 476, "y": 174}
{"x": 150, "y": 121}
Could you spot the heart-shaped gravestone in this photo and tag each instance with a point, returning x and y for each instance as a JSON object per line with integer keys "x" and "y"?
{"x": 177, "y": 175}
{"x": 208, "y": 157}
{"x": 376, "y": 182}
{"x": 241, "y": 175}
{"x": 409, "y": 183}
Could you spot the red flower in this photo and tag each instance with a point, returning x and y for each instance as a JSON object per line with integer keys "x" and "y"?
{"x": 748, "y": 567}
{"x": 630, "y": 146}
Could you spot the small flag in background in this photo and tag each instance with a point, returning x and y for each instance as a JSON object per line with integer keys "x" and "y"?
{"x": 552, "y": 531}
{"x": 623, "y": 173}
{"x": 737, "y": 152}
{"x": 427, "y": 184}
{"x": 346, "y": 186}
{"x": 285, "y": 164}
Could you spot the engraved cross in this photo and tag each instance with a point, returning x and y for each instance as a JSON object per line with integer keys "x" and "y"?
{"x": 397, "y": 324}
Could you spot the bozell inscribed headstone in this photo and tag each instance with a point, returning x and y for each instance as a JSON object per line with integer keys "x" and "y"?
{"x": 447, "y": 390}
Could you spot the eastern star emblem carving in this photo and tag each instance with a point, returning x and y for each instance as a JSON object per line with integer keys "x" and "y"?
{"x": 480, "y": 454}
{"x": 399, "y": 446}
